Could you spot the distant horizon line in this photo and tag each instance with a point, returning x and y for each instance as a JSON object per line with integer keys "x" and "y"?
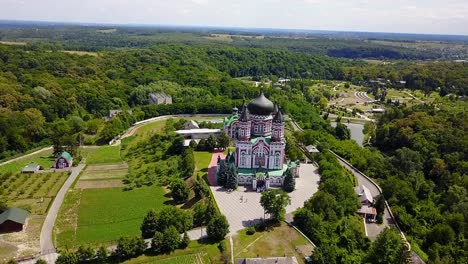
{"x": 239, "y": 28}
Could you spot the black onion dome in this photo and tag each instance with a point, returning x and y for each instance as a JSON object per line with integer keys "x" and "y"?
{"x": 260, "y": 105}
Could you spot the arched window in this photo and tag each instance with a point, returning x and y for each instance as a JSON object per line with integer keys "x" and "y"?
{"x": 242, "y": 159}
{"x": 277, "y": 160}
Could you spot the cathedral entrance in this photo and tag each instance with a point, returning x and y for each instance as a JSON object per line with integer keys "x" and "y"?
{"x": 260, "y": 183}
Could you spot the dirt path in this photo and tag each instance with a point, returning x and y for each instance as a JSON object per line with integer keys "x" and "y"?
{"x": 46, "y": 241}
{"x": 212, "y": 167}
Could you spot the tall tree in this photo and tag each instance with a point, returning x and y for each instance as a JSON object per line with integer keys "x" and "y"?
{"x": 149, "y": 225}
{"x": 223, "y": 140}
{"x": 211, "y": 142}
{"x": 342, "y": 131}
{"x": 218, "y": 227}
{"x": 387, "y": 248}
{"x": 274, "y": 202}
{"x": 289, "y": 183}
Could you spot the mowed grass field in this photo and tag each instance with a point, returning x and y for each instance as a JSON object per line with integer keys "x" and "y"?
{"x": 105, "y": 215}
{"x": 102, "y": 155}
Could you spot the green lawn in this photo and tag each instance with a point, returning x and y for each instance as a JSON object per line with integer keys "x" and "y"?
{"x": 202, "y": 160}
{"x": 151, "y": 127}
{"x": 102, "y": 155}
{"x": 45, "y": 159}
{"x": 282, "y": 240}
{"x": 105, "y": 215}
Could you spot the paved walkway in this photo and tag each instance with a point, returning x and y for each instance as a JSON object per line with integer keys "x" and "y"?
{"x": 47, "y": 244}
{"x": 212, "y": 167}
{"x": 242, "y": 207}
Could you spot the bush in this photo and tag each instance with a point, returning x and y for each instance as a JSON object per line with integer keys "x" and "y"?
{"x": 130, "y": 247}
{"x": 222, "y": 246}
{"x": 185, "y": 241}
{"x": 41, "y": 261}
{"x": 85, "y": 253}
{"x": 182, "y": 220}
{"x": 167, "y": 241}
{"x": 171, "y": 239}
{"x": 250, "y": 230}
{"x": 101, "y": 254}
{"x": 180, "y": 191}
{"x": 67, "y": 257}
{"x": 260, "y": 227}
{"x": 201, "y": 189}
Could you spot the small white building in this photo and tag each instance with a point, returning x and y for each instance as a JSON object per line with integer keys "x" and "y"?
{"x": 365, "y": 196}
{"x": 159, "y": 98}
{"x": 198, "y": 133}
{"x": 377, "y": 110}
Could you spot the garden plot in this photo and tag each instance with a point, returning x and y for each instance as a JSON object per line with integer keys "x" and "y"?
{"x": 103, "y": 176}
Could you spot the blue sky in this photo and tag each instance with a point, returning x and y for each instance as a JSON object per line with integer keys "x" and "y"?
{"x": 413, "y": 16}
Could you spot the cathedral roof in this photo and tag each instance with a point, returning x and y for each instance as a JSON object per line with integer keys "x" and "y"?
{"x": 260, "y": 105}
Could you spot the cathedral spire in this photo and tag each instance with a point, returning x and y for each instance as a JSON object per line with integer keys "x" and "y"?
{"x": 275, "y": 109}
{"x": 244, "y": 115}
{"x": 278, "y": 118}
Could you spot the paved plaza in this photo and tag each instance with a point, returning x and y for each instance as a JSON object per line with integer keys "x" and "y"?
{"x": 242, "y": 207}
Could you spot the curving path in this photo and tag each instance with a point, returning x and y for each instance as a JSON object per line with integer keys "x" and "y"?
{"x": 364, "y": 97}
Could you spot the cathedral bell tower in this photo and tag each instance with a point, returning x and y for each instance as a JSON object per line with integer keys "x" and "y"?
{"x": 244, "y": 125}
{"x": 277, "y": 129}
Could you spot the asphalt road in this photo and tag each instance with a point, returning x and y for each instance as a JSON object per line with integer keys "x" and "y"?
{"x": 47, "y": 245}
{"x": 372, "y": 229}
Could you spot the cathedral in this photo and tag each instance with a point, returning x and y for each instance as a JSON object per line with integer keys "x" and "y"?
{"x": 258, "y": 131}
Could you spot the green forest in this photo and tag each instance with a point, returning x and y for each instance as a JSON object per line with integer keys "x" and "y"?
{"x": 419, "y": 158}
